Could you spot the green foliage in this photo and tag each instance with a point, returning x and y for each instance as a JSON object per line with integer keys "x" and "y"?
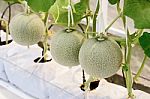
{"x": 145, "y": 43}
{"x": 139, "y": 11}
{"x": 80, "y": 9}
{"x": 40, "y": 5}
{"x": 60, "y": 13}
{"x": 113, "y": 1}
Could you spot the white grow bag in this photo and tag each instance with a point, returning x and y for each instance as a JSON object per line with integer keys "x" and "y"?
{"x": 51, "y": 80}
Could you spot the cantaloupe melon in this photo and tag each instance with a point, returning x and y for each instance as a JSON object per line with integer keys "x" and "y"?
{"x": 26, "y": 29}
{"x": 65, "y": 47}
{"x": 100, "y": 59}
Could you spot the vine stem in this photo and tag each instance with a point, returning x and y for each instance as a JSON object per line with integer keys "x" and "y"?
{"x": 8, "y": 8}
{"x": 26, "y": 7}
{"x": 140, "y": 69}
{"x": 128, "y": 73}
{"x": 95, "y": 16}
{"x": 50, "y": 26}
{"x": 107, "y": 28}
{"x": 72, "y": 17}
{"x": 83, "y": 76}
{"x": 81, "y": 28}
{"x": 69, "y": 13}
{"x": 88, "y": 25}
{"x": 9, "y": 13}
{"x": 46, "y": 36}
{"x": 139, "y": 33}
{"x": 129, "y": 80}
{"x": 7, "y": 25}
{"x": 68, "y": 18}
{"x": 128, "y": 48}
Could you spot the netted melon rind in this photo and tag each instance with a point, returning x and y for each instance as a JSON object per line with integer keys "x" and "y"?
{"x": 26, "y": 29}
{"x": 100, "y": 59}
{"x": 65, "y": 47}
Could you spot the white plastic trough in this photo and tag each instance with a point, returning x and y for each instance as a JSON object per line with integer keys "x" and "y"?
{"x": 49, "y": 80}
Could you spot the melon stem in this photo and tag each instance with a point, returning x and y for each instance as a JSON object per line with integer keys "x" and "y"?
{"x": 95, "y": 16}
{"x": 26, "y": 7}
{"x": 69, "y": 13}
{"x": 88, "y": 25}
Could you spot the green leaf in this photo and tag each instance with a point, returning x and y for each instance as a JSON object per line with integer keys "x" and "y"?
{"x": 145, "y": 43}
{"x": 60, "y": 13}
{"x": 80, "y": 9}
{"x": 40, "y": 5}
{"x": 139, "y": 11}
{"x": 113, "y": 1}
